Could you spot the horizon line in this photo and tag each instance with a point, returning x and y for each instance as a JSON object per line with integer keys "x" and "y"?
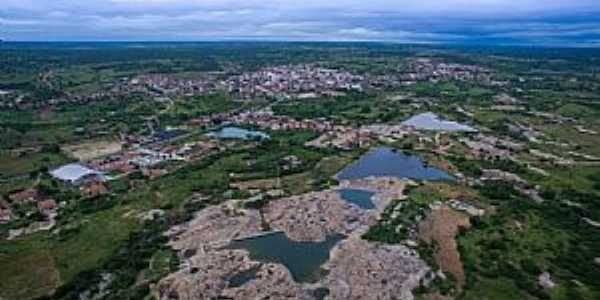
{"x": 341, "y": 41}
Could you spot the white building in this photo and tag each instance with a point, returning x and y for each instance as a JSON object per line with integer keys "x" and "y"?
{"x": 77, "y": 174}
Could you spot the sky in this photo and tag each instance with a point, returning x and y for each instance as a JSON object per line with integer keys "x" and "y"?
{"x": 528, "y": 22}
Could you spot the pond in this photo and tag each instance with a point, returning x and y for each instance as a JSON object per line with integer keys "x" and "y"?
{"x": 385, "y": 161}
{"x": 430, "y": 121}
{"x": 243, "y": 277}
{"x": 303, "y": 259}
{"x": 238, "y": 133}
{"x": 360, "y": 198}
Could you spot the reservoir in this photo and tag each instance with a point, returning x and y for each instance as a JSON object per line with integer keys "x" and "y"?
{"x": 430, "y": 121}
{"x": 385, "y": 161}
{"x": 238, "y": 133}
{"x": 303, "y": 259}
{"x": 360, "y": 198}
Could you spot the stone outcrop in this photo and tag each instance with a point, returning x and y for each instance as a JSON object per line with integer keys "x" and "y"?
{"x": 366, "y": 270}
{"x": 314, "y": 216}
{"x": 216, "y": 225}
{"x": 358, "y": 269}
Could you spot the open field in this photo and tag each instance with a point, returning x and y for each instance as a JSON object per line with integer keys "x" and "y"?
{"x": 94, "y": 149}
{"x": 15, "y": 165}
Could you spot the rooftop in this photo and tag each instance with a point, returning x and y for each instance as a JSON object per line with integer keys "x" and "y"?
{"x": 73, "y": 172}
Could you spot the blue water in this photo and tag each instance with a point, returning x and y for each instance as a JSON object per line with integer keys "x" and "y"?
{"x": 430, "y": 121}
{"x": 360, "y": 198}
{"x": 238, "y": 133}
{"x": 303, "y": 259}
{"x": 383, "y": 161}
{"x": 243, "y": 277}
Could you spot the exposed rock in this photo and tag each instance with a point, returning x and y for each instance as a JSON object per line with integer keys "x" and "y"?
{"x": 358, "y": 269}
{"x": 216, "y": 225}
{"x": 205, "y": 275}
{"x": 471, "y": 210}
{"x": 273, "y": 281}
{"x": 545, "y": 281}
{"x": 365, "y": 270}
{"x": 32, "y": 228}
{"x": 314, "y": 216}
{"x": 151, "y": 214}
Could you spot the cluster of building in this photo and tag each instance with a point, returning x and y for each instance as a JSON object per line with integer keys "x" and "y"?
{"x": 489, "y": 147}
{"x": 527, "y": 132}
{"x": 151, "y": 156}
{"x": 343, "y": 140}
{"x": 332, "y": 136}
{"x": 91, "y": 178}
{"x": 507, "y": 103}
{"x": 282, "y": 82}
{"x": 518, "y": 183}
{"x": 162, "y": 85}
{"x": 266, "y": 119}
{"x": 31, "y": 197}
{"x": 424, "y": 69}
{"x": 288, "y": 81}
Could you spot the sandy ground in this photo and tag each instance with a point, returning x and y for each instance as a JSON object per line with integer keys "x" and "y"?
{"x": 90, "y": 150}
{"x": 262, "y": 184}
{"x": 442, "y": 225}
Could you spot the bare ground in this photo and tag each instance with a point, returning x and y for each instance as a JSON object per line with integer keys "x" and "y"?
{"x": 442, "y": 226}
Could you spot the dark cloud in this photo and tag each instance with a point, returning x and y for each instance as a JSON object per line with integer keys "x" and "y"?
{"x": 561, "y": 22}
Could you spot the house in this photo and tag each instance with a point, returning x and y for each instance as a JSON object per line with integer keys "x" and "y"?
{"x": 153, "y": 173}
{"x": 95, "y": 189}
{"x": 5, "y": 212}
{"x": 47, "y": 207}
{"x": 77, "y": 174}
{"x": 27, "y": 195}
{"x": 5, "y": 216}
{"x": 499, "y": 175}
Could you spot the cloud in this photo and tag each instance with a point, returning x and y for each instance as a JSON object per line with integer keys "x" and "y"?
{"x": 498, "y": 21}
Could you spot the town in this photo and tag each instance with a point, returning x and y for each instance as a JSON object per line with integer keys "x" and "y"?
{"x": 334, "y": 172}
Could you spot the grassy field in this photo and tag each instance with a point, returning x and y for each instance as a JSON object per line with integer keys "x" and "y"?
{"x": 11, "y": 165}
{"x": 48, "y": 261}
{"x": 495, "y": 289}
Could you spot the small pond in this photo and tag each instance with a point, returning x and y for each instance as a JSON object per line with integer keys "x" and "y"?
{"x": 238, "y": 133}
{"x": 303, "y": 259}
{"x": 243, "y": 277}
{"x": 385, "y": 161}
{"x": 360, "y": 198}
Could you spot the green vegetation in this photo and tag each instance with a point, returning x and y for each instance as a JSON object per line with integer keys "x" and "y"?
{"x": 503, "y": 252}
{"x": 522, "y": 239}
{"x": 97, "y": 231}
{"x": 351, "y": 109}
{"x": 28, "y": 164}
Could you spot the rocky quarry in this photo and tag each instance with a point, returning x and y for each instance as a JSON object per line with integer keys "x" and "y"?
{"x": 356, "y": 269}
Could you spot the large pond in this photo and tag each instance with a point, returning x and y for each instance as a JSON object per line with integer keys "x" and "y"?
{"x": 303, "y": 259}
{"x": 238, "y": 133}
{"x": 360, "y": 198}
{"x": 430, "y": 121}
{"x": 384, "y": 161}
